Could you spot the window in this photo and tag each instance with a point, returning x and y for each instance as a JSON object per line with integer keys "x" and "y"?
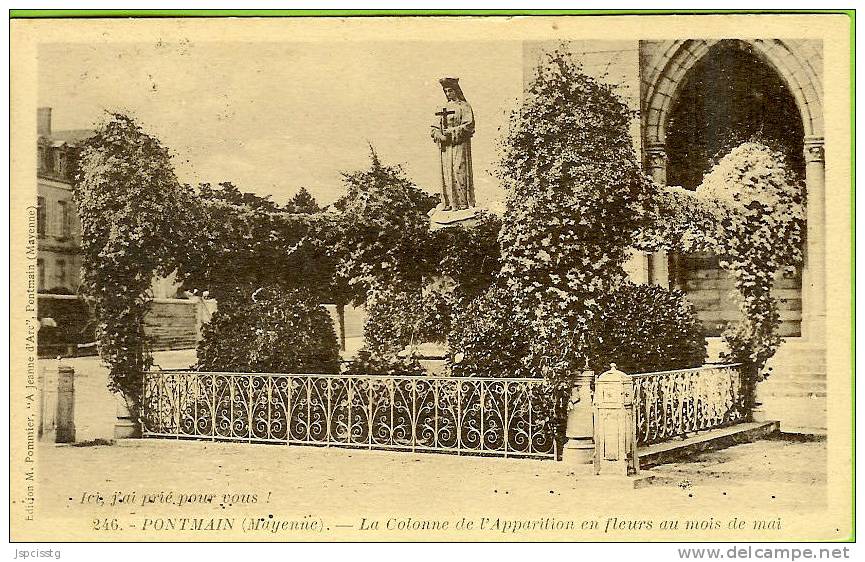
{"x": 61, "y": 273}
{"x": 66, "y": 219}
{"x": 41, "y": 216}
{"x": 40, "y": 268}
{"x": 49, "y": 159}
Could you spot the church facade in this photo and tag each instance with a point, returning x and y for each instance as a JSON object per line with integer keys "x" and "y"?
{"x": 695, "y": 97}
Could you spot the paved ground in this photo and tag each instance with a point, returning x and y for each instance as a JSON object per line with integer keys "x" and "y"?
{"x": 344, "y": 487}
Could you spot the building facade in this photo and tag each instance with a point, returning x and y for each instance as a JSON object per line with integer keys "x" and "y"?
{"x": 58, "y": 227}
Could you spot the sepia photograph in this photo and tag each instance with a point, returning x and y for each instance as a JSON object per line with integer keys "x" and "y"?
{"x": 448, "y": 279}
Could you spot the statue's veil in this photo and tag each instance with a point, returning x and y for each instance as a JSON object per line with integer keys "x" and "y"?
{"x": 455, "y": 84}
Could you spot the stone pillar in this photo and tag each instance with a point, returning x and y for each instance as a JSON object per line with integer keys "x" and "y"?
{"x": 48, "y": 401}
{"x": 656, "y": 164}
{"x": 57, "y": 404}
{"x": 340, "y": 315}
{"x": 814, "y": 273}
{"x": 615, "y": 430}
{"x": 65, "y": 404}
{"x": 580, "y": 430}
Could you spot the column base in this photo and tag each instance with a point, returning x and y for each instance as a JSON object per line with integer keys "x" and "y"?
{"x": 758, "y": 414}
{"x": 814, "y": 328}
{"x": 579, "y": 451}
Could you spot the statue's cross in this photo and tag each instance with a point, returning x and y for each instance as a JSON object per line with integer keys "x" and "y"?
{"x": 444, "y": 116}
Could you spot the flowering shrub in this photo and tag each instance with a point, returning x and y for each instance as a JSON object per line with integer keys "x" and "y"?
{"x": 459, "y": 262}
{"x": 681, "y": 221}
{"x": 646, "y": 328}
{"x": 488, "y": 341}
{"x": 396, "y": 318}
{"x": 276, "y": 331}
{"x": 641, "y": 328}
{"x": 750, "y": 212}
{"x": 469, "y": 256}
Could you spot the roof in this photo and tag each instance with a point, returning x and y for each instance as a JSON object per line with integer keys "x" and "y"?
{"x": 71, "y": 137}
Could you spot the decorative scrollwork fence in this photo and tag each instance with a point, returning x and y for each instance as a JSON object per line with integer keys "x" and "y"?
{"x": 461, "y": 415}
{"x": 672, "y": 404}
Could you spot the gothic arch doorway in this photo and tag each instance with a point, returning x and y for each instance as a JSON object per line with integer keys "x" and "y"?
{"x": 726, "y": 98}
{"x": 664, "y": 70}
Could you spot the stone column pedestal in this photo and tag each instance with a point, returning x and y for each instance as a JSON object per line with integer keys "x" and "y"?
{"x": 579, "y": 449}
{"x": 65, "y": 428}
{"x": 57, "y": 404}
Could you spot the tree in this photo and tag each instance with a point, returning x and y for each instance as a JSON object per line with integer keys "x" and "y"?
{"x": 377, "y": 239}
{"x": 302, "y": 202}
{"x": 380, "y": 231}
{"x": 132, "y": 211}
{"x": 227, "y": 192}
{"x": 238, "y": 232}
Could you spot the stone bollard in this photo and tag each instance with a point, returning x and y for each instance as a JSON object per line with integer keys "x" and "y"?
{"x": 57, "y": 403}
{"x": 48, "y": 401}
{"x": 615, "y": 431}
{"x": 65, "y": 404}
{"x": 580, "y": 431}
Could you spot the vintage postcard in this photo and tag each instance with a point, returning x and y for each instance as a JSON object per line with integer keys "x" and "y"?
{"x": 535, "y": 278}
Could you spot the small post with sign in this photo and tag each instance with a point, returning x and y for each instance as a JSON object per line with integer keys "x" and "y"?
{"x": 615, "y": 431}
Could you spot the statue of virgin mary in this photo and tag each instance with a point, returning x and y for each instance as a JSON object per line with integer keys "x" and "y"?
{"x": 453, "y": 136}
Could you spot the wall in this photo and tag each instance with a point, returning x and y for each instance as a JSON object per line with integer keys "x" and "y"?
{"x": 171, "y": 323}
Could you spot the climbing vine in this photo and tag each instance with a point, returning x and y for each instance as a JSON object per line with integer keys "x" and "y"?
{"x": 759, "y": 207}
{"x": 750, "y": 211}
{"x": 129, "y": 199}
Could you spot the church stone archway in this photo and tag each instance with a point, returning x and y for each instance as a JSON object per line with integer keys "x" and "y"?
{"x": 781, "y": 89}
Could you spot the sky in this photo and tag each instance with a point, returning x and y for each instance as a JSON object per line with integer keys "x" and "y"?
{"x": 272, "y": 117}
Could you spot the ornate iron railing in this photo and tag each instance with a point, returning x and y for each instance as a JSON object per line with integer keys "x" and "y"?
{"x": 462, "y": 415}
{"x": 673, "y": 404}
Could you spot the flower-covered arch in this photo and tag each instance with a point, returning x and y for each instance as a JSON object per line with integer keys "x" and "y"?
{"x": 665, "y": 66}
